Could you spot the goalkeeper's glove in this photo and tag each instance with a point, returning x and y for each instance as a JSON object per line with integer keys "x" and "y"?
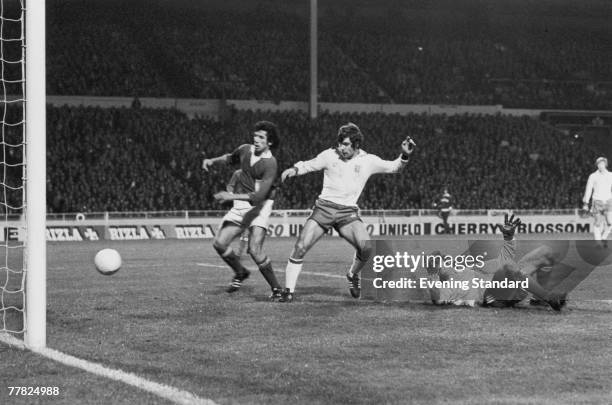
{"x": 585, "y": 206}
{"x": 509, "y": 227}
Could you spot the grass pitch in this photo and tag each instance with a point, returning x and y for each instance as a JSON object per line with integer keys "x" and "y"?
{"x": 165, "y": 317}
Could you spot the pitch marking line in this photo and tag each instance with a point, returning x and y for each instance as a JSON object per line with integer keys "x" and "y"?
{"x": 310, "y": 273}
{"x": 314, "y": 273}
{"x": 211, "y": 265}
{"x": 129, "y": 266}
{"x": 161, "y": 390}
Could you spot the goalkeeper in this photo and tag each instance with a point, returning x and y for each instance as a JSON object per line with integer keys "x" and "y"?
{"x": 503, "y": 268}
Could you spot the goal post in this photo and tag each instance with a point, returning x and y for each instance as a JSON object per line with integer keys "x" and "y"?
{"x": 35, "y": 201}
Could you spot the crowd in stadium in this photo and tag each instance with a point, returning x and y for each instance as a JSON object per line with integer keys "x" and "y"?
{"x": 263, "y": 54}
{"x": 140, "y": 159}
{"x": 144, "y": 159}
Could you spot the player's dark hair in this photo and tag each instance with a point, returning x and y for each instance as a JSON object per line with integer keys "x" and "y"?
{"x": 352, "y": 132}
{"x": 271, "y": 132}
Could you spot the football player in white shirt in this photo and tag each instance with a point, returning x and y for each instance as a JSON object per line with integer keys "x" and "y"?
{"x": 346, "y": 169}
{"x": 599, "y": 187}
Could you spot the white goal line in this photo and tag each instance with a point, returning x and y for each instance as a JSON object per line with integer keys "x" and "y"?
{"x": 172, "y": 394}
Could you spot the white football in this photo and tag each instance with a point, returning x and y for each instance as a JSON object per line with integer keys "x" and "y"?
{"x": 107, "y": 261}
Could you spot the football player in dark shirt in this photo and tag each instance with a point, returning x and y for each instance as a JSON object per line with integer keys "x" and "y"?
{"x": 253, "y": 197}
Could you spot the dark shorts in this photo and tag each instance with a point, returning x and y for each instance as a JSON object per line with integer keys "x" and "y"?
{"x": 331, "y": 215}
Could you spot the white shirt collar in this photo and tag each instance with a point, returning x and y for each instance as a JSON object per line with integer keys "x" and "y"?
{"x": 267, "y": 154}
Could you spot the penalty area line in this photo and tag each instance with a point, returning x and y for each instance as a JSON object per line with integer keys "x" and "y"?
{"x": 211, "y": 265}
{"x": 172, "y": 394}
{"x": 314, "y": 273}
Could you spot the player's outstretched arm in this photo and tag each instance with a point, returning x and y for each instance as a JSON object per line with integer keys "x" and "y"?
{"x": 207, "y": 163}
{"x": 290, "y": 172}
{"x": 408, "y": 147}
{"x": 508, "y": 229}
{"x": 393, "y": 166}
{"x": 508, "y": 250}
{"x": 308, "y": 166}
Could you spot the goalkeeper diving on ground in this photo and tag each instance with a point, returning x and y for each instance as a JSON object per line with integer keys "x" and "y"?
{"x": 540, "y": 270}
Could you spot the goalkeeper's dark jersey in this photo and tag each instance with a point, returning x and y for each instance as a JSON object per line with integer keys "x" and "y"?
{"x": 258, "y": 176}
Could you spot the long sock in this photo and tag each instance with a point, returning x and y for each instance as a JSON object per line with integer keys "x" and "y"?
{"x": 597, "y": 232}
{"x": 268, "y": 273}
{"x": 231, "y": 258}
{"x": 356, "y": 266}
{"x": 606, "y": 233}
{"x": 294, "y": 267}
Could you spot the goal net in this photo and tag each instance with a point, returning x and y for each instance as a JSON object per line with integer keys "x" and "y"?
{"x": 22, "y": 166}
{"x": 12, "y": 191}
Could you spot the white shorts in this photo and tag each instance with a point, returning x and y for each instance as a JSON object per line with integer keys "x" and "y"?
{"x": 601, "y": 209}
{"x": 246, "y": 215}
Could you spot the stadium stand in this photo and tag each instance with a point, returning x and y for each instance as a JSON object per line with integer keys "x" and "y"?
{"x": 522, "y": 55}
{"x": 101, "y": 59}
{"x": 518, "y": 56}
{"x": 149, "y": 159}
